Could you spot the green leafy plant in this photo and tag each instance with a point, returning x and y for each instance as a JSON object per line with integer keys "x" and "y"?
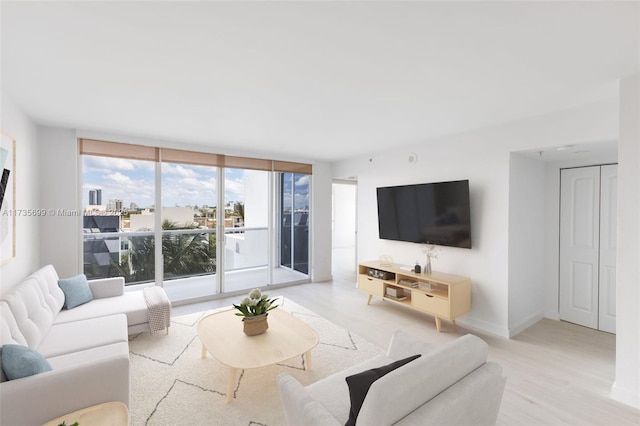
{"x": 257, "y": 303}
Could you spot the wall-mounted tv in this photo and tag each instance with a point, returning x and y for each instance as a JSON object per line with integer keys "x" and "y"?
{"x": 436, "y": 213}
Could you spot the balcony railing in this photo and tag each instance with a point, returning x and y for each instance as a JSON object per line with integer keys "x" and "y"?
{"x": 186, "y": 253}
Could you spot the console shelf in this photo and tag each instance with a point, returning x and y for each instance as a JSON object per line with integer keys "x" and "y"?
{"x": 445, "y": 296}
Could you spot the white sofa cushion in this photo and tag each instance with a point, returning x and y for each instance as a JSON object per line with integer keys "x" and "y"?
{"x": 360, "y": 383}
{"x": 107, "y": 287}
{"x": 32, "y": 314}
{"x": 295, "y": 397}
{"x": 132, "y": 304}
{"x": 333, "y": 392}
{"x": 81, "y": 335}
{"x": 9, "y": 331}
{"x": 47, "y": 279}
{"x": 400, "y": 392}
{"x": 315, "y": 414}
{"x": 474, "y": 400}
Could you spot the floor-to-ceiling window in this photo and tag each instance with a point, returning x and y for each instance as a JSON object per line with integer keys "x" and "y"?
{"x": 118, "y": 196}
{"x": 189, "y": 195}
{"x": 196, "y": 223}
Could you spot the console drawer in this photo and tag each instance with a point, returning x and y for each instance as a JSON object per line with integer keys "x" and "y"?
{"x": 431, "y": 304}
{"x": 371, "y": 285}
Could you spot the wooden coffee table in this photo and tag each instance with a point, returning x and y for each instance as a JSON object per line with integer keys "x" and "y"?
{"x": 222, "y": 336}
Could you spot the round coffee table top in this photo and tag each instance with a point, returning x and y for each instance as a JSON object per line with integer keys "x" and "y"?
{"x": 221, "y": 333}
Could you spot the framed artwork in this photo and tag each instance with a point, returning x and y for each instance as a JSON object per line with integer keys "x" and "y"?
{"x": 7, "y": 198}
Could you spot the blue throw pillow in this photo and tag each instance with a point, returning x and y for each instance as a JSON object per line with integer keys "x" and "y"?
{"x": 21, "y": 361}
{"x": 76, "y": 291}
{"x": 360, "y": 383}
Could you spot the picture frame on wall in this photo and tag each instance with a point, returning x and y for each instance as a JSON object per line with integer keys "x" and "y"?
{"x": 7, "y": 198}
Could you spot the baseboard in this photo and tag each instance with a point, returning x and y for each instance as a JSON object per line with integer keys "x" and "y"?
{"x": 482, "y": 326}
{"x": 625, "y": 396}
{"x": 526, "y": 323}
{"x": 554, "y": 315}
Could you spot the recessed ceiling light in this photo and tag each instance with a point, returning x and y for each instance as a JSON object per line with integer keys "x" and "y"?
{"x": 564, "y": 147}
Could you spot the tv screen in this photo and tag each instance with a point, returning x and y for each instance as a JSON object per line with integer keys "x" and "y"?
{"x": 434, "y": 213}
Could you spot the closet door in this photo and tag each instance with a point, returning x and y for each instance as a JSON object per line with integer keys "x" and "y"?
{"x": 588, "y": 244}
{"x": 579, "y": 245}
{"x": 608, "y": 247}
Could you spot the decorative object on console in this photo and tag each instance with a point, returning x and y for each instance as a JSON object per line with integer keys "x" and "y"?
{"x": 431, "y": 252}
{"x": 386, "y": 260}
{"x": 417, "y": 268}
{"x": 254, "y": 309}
{"x": 382, "y": 275}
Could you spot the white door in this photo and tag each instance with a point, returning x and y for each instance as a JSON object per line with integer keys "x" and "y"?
{"x": 608, "y": 246}
{"x": 579, "y": 245}
{"x": 588, "y": 232}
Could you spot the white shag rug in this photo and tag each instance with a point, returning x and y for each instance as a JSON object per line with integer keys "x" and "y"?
{"x": 172, "y": 385}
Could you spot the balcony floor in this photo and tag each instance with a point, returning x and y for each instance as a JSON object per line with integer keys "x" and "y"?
{"x": 184, "y": 290}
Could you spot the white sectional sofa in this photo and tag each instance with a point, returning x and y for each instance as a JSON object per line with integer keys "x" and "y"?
{"x": 449, "y": 385}
{"x": 86, "y": 347}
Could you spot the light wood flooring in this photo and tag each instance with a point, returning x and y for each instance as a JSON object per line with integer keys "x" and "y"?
{"x": 557, "y": 373}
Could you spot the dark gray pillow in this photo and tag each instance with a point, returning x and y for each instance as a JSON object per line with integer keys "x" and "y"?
{"x": 360, "y": 383}
{"x": 21, "y": 361}
{"x": 76, "y": 291}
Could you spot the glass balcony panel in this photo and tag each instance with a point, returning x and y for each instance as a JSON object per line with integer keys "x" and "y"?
{"x": 120, "y": 254}
{"x": 246, "y": 258}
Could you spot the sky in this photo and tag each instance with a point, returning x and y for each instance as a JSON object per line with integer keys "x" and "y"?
{"x": 182, "y": 184}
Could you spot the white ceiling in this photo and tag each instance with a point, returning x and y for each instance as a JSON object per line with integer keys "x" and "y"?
{"x": 310, "y": 80}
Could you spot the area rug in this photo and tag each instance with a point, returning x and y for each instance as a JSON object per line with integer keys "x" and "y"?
{"x": 171, "y": 384}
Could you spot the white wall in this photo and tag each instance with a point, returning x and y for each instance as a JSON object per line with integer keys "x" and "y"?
{"x": 483, "y": 157}
{"x": 60, "y": 191}
{"x": 627, "y": 385}
{"x": 18, "y": 126}
{"x": 526, "y": 242}
{"x": 321, "y": 222}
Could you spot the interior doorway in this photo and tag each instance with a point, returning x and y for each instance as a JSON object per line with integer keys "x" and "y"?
{"x": 344, "y": 230}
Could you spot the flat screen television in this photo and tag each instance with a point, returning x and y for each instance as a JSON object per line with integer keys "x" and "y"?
{"x": 435, "y": 213}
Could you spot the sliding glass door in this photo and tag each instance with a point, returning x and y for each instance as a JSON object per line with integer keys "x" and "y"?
{"x": 294, "y": 221}
{"x": 246, "y": 229}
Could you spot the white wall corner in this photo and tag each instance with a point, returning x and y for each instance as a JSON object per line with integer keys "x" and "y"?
{"x": 625, "y": 396}
{"x": 478, "y": 325}
{"x": 320, "y": 255}
{"x": 525, "y": 323}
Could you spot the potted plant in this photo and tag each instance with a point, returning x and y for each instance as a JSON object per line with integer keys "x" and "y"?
{"x": 254, "y": 309}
